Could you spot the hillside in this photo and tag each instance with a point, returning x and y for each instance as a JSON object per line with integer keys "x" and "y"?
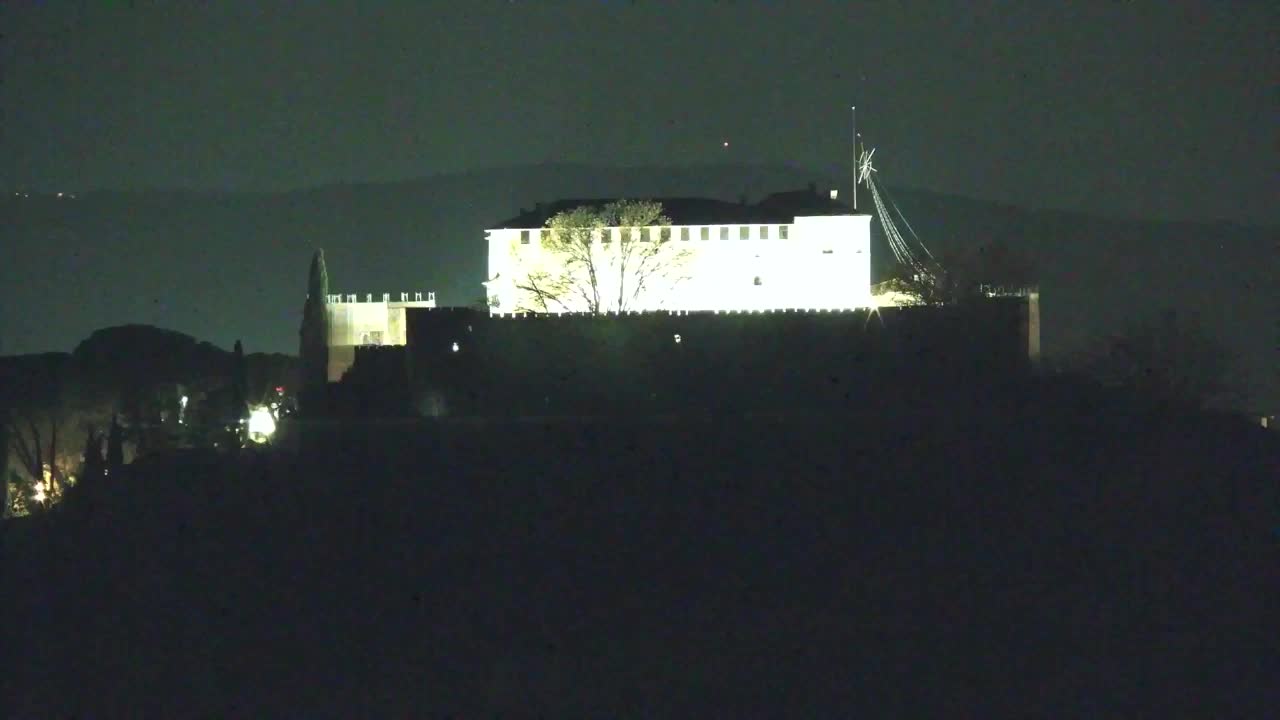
{"x": 223, "y": 266}
{"x": 1059, "y": 552}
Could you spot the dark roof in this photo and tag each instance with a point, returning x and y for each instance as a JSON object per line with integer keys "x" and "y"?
{"x": 777, "y": 208}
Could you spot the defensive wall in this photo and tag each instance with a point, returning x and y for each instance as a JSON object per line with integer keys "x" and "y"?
{"x": 468, "y": 363}
{"x": 367, "y": 320}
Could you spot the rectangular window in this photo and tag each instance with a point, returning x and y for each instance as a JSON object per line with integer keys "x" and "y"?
{"x": 764, "y": 232}
{"x": 782, "y": 231}
{"x": 624, "y": 235}
{"x": 724, "y": 233}
{"x": 604, "y": 235}
{"x": 684, "y": 233}
{"x": 828, "y": 252}
{"x": 744, "y": 232}
{"x": 664, "y": 234}
{"x": 706, "y": 233}
{"x": 524, "y": 237}
{"x": 644, "y": 234}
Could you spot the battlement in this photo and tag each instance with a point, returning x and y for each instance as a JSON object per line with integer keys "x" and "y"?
{"x": 821, "y": 261}
{"x": 367, "y": 320}
{"x": 352, "y": 298}
{"x": 678, "y": 313}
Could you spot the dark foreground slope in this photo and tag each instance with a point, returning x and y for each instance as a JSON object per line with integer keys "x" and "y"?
{"x": 1057, "y": 555}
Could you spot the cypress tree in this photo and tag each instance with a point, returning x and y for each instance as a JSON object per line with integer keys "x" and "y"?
{"x": 239, "y": 392}
{"x": 115, "y": 447}
{"x": 314, "y": 334}
{"x": 93, "y": 467}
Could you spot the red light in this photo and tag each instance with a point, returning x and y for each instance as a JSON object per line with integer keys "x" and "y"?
{"x": 280, "y": 389}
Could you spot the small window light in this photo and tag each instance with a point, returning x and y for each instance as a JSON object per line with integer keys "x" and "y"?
{"x": 676, "y": 337}
{"x": 455, "y": 347}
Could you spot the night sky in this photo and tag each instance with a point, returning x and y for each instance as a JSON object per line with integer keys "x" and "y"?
{"x": 1147, "y": 109}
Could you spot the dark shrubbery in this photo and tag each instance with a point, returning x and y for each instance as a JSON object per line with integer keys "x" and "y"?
{"x": 1061, "y": 551}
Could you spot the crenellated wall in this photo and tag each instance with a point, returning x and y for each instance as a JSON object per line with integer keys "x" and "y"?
{"x": 360, "y": 320}
{"x": 819, "y": 262}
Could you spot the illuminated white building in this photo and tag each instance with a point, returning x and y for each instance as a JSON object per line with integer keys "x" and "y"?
{"x": 356, "y": 320}
{"x": 795, "y": 250}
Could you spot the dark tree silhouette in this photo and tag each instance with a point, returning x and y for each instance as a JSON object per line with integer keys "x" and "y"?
{"x": 93, "y": 466}
{"x": 115, "y": 447}
{"x": 1170, "y": 360}
{"x": 239, "y": 395}
{"x": 37, "y": 399}
{"x": 959, "y": 276}
{"x": 314, "y": 333}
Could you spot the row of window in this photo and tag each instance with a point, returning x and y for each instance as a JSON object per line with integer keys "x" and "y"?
{"x": 606, "y": 235}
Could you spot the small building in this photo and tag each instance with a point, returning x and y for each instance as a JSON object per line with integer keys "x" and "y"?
{"x": 791, "y": 251}
{"x": 356, "y": 321}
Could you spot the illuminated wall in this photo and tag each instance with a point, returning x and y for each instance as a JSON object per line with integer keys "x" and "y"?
{"x": 356, "y": 320}
{"x": 819, "y": 262}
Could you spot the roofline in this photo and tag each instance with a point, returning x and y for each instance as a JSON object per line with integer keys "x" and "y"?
{"x": 753, "y": 222}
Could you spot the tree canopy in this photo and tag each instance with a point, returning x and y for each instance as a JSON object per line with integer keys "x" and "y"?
{"x": 601, "y": 273}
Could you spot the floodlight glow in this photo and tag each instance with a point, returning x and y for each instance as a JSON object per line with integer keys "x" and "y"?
{"x": 823, "y": 262}
{"x": 455, "y": 347}
{"x": 261, "y": 424}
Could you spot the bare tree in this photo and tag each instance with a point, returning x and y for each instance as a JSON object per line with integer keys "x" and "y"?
{"x": 957, "y": 277}
{"x": 34, "y": 422}
{"x": 47, "y": 409}
{"x": 591, "y": 273}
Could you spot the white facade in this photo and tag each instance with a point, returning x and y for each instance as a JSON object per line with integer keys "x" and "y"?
{"x": 356, "y": 320}
{"x": 814, "y": 262}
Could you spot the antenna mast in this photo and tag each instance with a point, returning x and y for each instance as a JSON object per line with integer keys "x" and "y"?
{"x": 854, "y": 131}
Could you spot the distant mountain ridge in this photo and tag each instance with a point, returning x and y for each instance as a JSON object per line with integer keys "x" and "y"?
{"x": 227, "y": 265}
